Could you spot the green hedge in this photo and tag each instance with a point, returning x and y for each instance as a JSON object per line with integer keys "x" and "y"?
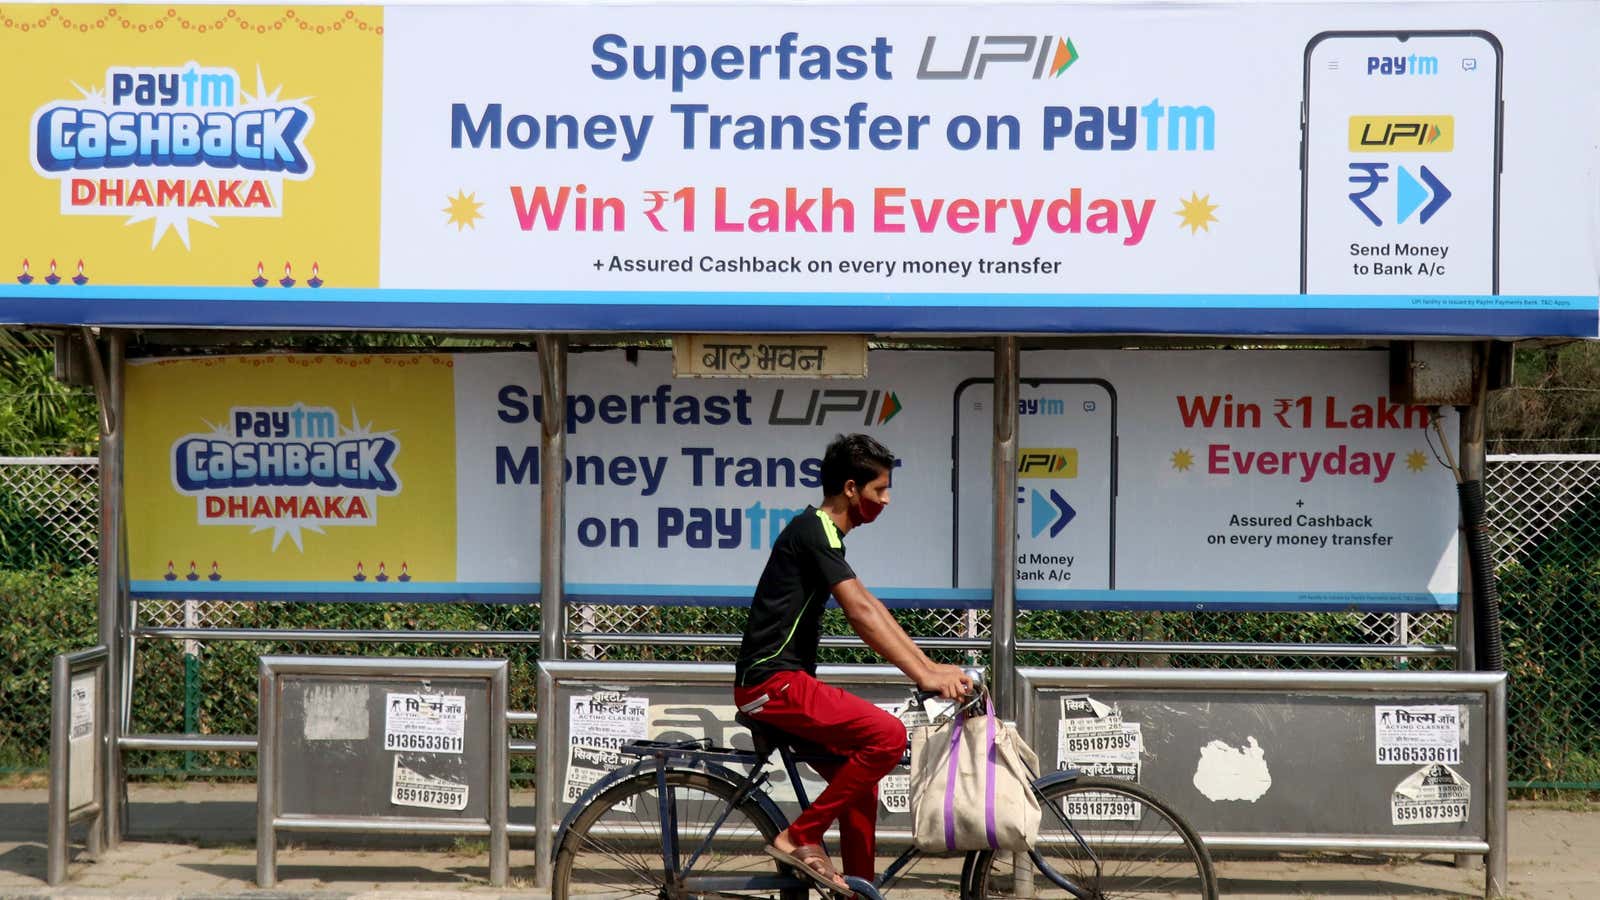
{"x": 41, "y": 615}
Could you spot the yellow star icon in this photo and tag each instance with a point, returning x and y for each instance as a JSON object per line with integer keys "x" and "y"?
{"x": 1197, "y": 213}
{"x": 1415, "y": 461}
{"x": 463, "y": 210}
{"x": 1182, "y": 460}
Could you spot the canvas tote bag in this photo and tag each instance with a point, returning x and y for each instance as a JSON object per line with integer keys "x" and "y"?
{"x": 970, "y": 786}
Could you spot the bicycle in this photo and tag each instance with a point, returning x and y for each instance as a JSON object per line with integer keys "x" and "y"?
{"x": 680, "y": 823}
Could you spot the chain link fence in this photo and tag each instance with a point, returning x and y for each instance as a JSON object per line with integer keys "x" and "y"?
{"x": 1545, "y": 514}
{"x": 1545, "y": 511}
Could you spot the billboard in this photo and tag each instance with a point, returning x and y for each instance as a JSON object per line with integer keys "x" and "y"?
{"x": 1359, "y": 168}
{"x": 1161, "y": 479}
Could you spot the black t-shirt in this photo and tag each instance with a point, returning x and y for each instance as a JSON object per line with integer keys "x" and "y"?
{"x": 785, "y": 620}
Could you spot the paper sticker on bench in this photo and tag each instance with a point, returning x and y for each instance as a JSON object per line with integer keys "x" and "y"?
{"x": 428, "y": 723}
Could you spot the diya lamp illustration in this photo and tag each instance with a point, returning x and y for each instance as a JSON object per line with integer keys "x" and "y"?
{"x": 80, "y": 279}
{"x": 383, "y": 574}
{"x": 361, "y": 574}
{"x": 52, "y": 278}
{"x": 261, "y": 279}
{"x": 288, "y": 277}
{"x": 171, "y": 575}
{"x": 24, "y": 278}
{"x": 404, "y": 575}
{"x": 193, "y": 575}
{"x": 316, "y": 279}
{"x": 215, "y": 575}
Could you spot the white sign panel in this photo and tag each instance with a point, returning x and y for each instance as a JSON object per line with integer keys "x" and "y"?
{"x": 81, "y": 749}
{"x": 789, "y": 156}
{"x": 1413, "y": 735}
{"x": 1266, "y": 480}
{"x": 433, "y": 723}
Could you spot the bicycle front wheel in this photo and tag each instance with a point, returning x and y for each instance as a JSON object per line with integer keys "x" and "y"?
{"x": 1123, "y": 843}
{"x": 618, "y": 848}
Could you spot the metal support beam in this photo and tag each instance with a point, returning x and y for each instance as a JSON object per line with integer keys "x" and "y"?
{"x": 114, "y": 635}
{"x": 1003, "y": 634}
{"x": 1473, "y": 461}
{"x": 552, "y": 584}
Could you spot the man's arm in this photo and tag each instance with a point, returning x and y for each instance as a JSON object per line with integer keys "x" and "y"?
{"x": 874, "y": 623}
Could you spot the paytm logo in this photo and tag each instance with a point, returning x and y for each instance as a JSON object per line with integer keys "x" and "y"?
{"x": 1403, "y": 65}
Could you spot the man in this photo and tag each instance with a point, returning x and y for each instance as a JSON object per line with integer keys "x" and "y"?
{"x": 775, "y": 681}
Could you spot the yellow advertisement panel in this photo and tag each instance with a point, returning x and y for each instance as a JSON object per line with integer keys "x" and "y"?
{"x": 317, "y": 474}
{"x": 229, "y": 146}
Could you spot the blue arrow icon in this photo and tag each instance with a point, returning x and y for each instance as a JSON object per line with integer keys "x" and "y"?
{"x": 1053, "y": 513}
{"x": 1411, "y": 194}
{"x": 1440, "y": 195}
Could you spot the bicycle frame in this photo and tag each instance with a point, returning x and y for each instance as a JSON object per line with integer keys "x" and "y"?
{"x": 668, "y": 755}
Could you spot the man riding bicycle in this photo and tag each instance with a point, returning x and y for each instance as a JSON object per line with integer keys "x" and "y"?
{"x": 775, "y": 676}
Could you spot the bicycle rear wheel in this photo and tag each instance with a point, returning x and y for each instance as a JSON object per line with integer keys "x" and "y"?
{"x": 614, "y": 848}
{"x": 1132, "y": 847}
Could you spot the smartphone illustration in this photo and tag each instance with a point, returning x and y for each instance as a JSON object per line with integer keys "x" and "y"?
{"x": 1400, "y": 160}
{"x": 1066, "y": 484}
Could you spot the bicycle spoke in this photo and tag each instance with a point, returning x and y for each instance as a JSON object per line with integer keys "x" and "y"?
{"x": 620, "y": 848}
{"x": 1136, "y": 849}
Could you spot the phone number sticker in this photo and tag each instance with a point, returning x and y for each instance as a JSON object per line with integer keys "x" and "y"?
{"x": 1415, "y": 735}
{"x": 1432, "y": 795}
{"x": 411, "y": 788}
{"x": 429, "y": 723}
{"x": 1095, "y": 806}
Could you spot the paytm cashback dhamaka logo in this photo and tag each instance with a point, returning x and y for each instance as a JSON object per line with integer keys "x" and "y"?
{"x": 287, "y": 469}
{"x": 173, "y": 145}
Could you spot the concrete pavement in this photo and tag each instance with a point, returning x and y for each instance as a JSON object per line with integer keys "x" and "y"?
{"x": 198, "y": 840}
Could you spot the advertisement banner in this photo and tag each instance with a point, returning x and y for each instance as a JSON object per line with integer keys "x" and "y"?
{"x": 1158, "y": 479}
{"x": 1333, "y": 168}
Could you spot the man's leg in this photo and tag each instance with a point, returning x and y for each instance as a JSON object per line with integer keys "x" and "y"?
{"x": 872, "y": 743}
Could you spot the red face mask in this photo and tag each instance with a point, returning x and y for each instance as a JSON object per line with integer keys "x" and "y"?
{"x": 864, "y": 511}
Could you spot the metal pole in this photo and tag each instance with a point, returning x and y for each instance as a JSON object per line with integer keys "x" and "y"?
{"x": 552, "y": 497}
{"x": 266, "y": 778}
{"x": 60, "y": 756}
{"x": 1003, "y": 632}
{"x": 1472, "y": 464}
{"x": 1021, "y": 865}
{"x": 1474, "y": 458}
{"x": 1496, "y": 876}
{"x": 544, "y": 799}
{"x": 108, "y": 391}
{"x": 552, "y": 583}
{"x": 500, "y": 787}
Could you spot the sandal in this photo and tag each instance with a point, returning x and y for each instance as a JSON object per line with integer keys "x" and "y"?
{"x": 811, "y": 862}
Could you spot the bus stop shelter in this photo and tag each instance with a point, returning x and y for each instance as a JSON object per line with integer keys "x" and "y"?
{"x": 1175, "y": 307}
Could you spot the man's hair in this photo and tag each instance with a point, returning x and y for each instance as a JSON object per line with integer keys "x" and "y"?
{"x": 853, "y": 457}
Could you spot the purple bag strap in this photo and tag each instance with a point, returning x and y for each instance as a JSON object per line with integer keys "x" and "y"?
{"x": 988, "y": 796}
{"x": 950, "y": 784}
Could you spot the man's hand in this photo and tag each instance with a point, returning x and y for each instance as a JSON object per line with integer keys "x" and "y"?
{"x": 948, "y": 680}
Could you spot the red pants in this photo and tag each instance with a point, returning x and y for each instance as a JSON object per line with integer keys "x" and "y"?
{"x": 871, "y": 741}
